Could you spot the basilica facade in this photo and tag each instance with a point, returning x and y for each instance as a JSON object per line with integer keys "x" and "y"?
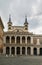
{"x": 17, "y": 40}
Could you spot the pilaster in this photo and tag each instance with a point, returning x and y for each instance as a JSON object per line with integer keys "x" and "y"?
{"x": 31, "y": 40}
{"x": 38, "y": 42}
{"x": 15, "y": 51}
{"x": 31, "y": 50}
{"x": 38, "y": 51}
{"x": 26, "y": 50}
{"x": 21, "y": 50}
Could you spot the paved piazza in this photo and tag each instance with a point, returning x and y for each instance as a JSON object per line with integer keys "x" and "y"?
{"x": 21, "y": 60}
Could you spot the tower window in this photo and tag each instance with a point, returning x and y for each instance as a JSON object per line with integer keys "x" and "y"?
{"x": 26, "y": 25}
{"x": 25, "y": 28}
{"x": 9, "y": 25}
{"x": 9, "y": 28}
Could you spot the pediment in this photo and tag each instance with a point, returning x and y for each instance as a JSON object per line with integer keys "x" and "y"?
{"x": 18, "y": 30}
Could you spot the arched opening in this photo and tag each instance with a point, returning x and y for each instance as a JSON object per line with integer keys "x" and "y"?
{"x": 18, "y": 39}
{"x": 12, "y": 39}
{"x": 23, "y": 39}
{"x": 35, "y": 51}
{"x": 28, "y": 40}
{"x": 7, "y": 39}
{"x": 23, "y": 50}
{"x": 12, "y": 50}
{"x": 18, "y": 50}
{"x": 7, "y": 50}
{"x": 28, "y": 50}
{"x": 40, "y": 51}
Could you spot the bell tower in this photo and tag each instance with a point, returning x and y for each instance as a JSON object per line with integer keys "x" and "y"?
{"x": 1, "y": 35}
{"x": 9, "y": 23}
{"x": 26, "y": 24}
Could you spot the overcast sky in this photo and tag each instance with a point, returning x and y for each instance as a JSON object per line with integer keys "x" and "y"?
{"x": 18, "y": 9}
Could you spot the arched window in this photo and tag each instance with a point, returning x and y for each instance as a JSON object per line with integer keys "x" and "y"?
{"x": 7, "y": 39}
{"x": 13, "y": 50}
{"x": 7, "y": 50}
{"x": 23, "y": 39}
{"x": 35, "y": 51}
{"x": 12, "y": 39}
{"x": 28, "y": 40}
{"x": 28, "y": 50}
{"x": 18, "y": 50}
{"x": 40, "y": 51}
{"x": 18, "y": 39}
{"x": 23, "y": 50}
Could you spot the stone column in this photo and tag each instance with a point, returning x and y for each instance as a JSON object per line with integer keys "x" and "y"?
{"x": 38, "y": 42}
{"x": 31, "y": 40}
{"x": 21, "y": 50}
{"x": 26, "y": 40}
{"x": 4, "y": 50}
{"x": 10, "y": 40}
{"x": 21, "y": 40}
{"x": 38, "y": 51}
{"x": 15, "y": 51}
{"x": 31, "y": 50}
{"x": 15, "y": 39}
{"x": 10, "y": 50}
{"x": 26, "y": 50}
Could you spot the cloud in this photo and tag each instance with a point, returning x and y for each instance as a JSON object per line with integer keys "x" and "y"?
{"x": 18, "y": 9}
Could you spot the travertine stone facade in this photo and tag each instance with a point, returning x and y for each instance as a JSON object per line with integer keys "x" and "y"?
{"x": 1, "y": 36}
{"x": 19, "y": 41}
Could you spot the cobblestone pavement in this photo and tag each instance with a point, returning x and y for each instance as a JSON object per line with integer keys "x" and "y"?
{"x": 21, "y": 60}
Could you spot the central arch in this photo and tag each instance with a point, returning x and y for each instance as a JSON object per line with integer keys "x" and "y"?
{"x": 12, "y": 50}
{"x": 23, "y": 50}
{"x": 35, "y": 51}
{"x": 40, "y": 51}
{"x": 7, "y": 50}
{"x": 18, "y": 50}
